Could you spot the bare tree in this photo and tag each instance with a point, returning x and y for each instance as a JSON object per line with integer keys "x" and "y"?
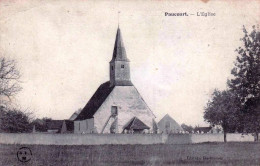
{"x": 9, "y": 80}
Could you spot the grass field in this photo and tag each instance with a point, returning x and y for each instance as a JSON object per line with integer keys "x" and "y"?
{"x": 186, "y": 154}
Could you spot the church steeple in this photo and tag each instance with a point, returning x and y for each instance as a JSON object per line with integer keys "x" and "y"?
{"x": 119, "y": 53}
{"x": 119, "y": 65}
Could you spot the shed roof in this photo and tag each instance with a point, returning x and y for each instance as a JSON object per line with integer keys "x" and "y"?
{"x": 136, "y": 124}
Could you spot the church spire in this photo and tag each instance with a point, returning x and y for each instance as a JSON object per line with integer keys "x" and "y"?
{"x": 120, "y": 64}
{"x": 119, "y": 53}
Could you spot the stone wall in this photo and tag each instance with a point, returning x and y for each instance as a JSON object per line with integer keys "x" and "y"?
{"x": 79, "y": 139}
{"x": 101, "y": 139}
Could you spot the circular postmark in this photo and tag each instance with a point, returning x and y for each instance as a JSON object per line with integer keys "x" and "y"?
{"x": 24, "y": 154}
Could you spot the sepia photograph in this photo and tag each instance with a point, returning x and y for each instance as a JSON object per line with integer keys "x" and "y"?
{"x": 159, "y": 82}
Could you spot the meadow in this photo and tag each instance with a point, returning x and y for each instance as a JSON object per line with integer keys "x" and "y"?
{"x": 231, "y": 153}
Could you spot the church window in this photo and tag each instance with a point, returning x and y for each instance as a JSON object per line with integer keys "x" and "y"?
{"x": 114, "y": 110}
{"x": 112, "y": 67}
{"x": 79, "y": 126}
{"x": 122, "y": 66}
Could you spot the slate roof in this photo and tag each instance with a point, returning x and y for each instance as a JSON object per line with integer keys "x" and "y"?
{"x": 136, "y": 124}
{"x": 95, "y": 101}
{"x": 54, "y": 124}
{"x": 119, "y": 53}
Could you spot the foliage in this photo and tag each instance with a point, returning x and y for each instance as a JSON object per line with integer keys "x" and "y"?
{"x": 14, "y": 121}
{"x": 187, "y": 128}
{"x": 251, "y": 114}
{"x": 41, "y": 124}
{"x": 238, "y": 108}
{"x": 246, "y": 81}
{"x": 223, "y": 109}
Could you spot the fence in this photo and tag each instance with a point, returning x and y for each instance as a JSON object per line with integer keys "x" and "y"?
{"x": 101, "y": 139}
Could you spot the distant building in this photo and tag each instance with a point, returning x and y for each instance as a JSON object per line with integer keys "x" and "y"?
{"x": 54, "y": 126}
{"x": 168, "y": 125}
{"x": 59, "y": 126}
{"x": 203, "y": 130}
{"x": 116, "y": 104}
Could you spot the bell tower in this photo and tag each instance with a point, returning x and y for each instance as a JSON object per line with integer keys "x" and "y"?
{"x": 120, "y": 64}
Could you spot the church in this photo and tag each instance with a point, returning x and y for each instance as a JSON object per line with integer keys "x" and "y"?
{"x": 116, "y": 106}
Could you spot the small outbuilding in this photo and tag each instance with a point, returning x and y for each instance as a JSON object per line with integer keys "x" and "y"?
{"x": 54, "y": 126}
{"x": 135, "y": 125}
{"x": 168, "y": 125}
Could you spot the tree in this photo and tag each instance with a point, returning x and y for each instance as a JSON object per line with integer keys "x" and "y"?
{"x": 187, "y": 128}
{"x": 223, "y": 110}
{"x": 41, "y": 124}
{"x": 9, "y": 80}
{"x": 14, "y": 121}
{"x": 252, "y": 116}
{"x": 246, "y": 78}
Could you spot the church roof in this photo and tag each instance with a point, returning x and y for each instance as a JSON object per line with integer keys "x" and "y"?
{"x": 136, "y": 124}
{"x": 119, "y": 53}
{"x": 95, "y": 101}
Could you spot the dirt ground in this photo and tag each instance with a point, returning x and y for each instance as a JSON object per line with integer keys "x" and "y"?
{"x": 160, "y": 154}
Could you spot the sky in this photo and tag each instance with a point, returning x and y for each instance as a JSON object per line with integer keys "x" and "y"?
{"x": 63, "y": 49}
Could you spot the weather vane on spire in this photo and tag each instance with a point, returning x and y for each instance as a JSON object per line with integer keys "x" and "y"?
{"x": 118, "y": 14}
